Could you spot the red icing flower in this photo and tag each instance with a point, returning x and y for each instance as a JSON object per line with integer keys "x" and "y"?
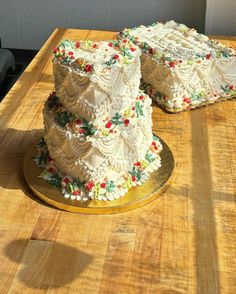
{"x": 89, "y": 185}
{"x": 124, "y": 41}
{"x": 187, "y": 100}
{"x": 208, "y": 56}
{"x": 126, "y": 122}
{"x": 51, "y": 170}
{"x": 78, "y": 121}
{"x": 70, "y": 53}
{"x": 81, "y": 131}
{"x": 72, "y": 57}
{"x": 141, "y": 97}
{"x": 77, "y": 44}
{"x": 55, "y": 50}
{"x": 133, "y": 178}
{"x": 172, "y": 64}
{"x": 77, "y": 192}
{"x": 88, "y": 67}
{"x": 132, "y": 49}
{"x": 95, "y": 46}
{"x": 110, "y": 44}
{"x": 66, "y": 180}
{"x": 138, "y": 163}
{"x": 103, "y": 185}
{"x": 50, "y": 158}
{"x": 154, "y": 143}
{"x": 133, "y": 108}
{"x": 108, "y": 124}
{"x": 116, "y": 56}
{"x": 231, "y": 87}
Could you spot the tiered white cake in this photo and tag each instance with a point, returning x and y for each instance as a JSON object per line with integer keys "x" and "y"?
{"x": 98, "y": 138}
{"x": 181, "y": 68}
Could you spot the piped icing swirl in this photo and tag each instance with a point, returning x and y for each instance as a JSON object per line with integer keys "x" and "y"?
{"x": 174, "y": 44}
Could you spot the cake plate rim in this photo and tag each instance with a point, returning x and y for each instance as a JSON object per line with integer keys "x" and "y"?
{"x": 131, "y": 200}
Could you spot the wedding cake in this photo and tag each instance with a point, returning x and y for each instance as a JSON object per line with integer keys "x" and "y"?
{"x": 98, "y": 139}
{"x": 181, "y": 68}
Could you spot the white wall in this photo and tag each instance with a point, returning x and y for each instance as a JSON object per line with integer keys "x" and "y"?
{"x": 221, "y": 17}
{"x": 27, "y": 24}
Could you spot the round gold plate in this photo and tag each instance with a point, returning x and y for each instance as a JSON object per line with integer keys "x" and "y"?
{"x": 135, "y": 197}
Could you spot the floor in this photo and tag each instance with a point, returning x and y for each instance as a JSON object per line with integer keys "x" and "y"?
{"x": 23, "y": 58}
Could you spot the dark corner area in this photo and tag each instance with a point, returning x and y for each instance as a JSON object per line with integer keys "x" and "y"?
{"x": 13, "y": 62}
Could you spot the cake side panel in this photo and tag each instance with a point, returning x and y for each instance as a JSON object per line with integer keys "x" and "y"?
{"x": 96, "y": 78}
{"x": 191, "y": 85}
{"x": 106, "y": 92}
{"x": 93, "y": 157}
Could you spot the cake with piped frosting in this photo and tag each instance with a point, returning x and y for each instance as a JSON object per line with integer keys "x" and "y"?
{"x": 98, "y": 139}
{"x": 181, "y": 68}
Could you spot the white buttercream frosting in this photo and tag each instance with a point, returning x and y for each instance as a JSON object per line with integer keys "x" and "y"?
{"x": 181, "y": 68}
{"x": 97, "y": 80}
{"x": 94, "y": 156}
{"x": 98, "y": 124}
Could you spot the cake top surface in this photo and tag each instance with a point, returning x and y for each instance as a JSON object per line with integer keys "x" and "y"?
{"x": 172, "y": 42}
{"x": 89, "y": 55}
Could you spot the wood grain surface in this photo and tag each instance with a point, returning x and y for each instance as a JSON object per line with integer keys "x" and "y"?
{"x": 184, "y": 242}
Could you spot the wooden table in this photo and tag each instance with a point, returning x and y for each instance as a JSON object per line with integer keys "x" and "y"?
{"x": 184, "y": 242}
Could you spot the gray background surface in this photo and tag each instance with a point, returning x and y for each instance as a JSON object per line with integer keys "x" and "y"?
{"x": 26, "y": 24}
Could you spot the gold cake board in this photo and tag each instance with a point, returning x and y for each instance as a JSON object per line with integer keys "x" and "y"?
{"x": 134, "y": 198}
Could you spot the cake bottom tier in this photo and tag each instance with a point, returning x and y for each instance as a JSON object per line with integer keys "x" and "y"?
{"x": 105, "y": 189}
{"x": 174, "y": 105}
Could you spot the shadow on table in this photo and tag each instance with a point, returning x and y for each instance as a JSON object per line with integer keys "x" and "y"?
{"x": 46, "y": 264}
{"x": 13, "y": 146}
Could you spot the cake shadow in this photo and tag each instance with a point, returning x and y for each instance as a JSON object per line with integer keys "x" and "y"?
{"x": 14, "y": 144}
{"x": 46, "y": 264}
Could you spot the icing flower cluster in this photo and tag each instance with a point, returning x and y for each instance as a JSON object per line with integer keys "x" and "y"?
{"x": 105, "y": 189}
{"x": 227, "y": 90}
{"x": 102, "y": 128}
{"x": 68, "y": 52}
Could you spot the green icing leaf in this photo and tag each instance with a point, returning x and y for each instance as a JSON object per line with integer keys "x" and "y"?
{"x": 52, "y": 102}
{"x": 136, "y": 172}
{"x": 89, "y": 128}
{"x": 52, "y": 178}
{"x": 55, "y": 180}
{"x": 117, "y": 119}
{"x": 149, "y": 157}
{"x": 110, "y": 186}
{"x": 139, "y": 109}
{"x": 63, "y": 118}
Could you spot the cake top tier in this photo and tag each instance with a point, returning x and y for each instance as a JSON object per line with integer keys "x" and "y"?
{"x": 172, "y": 42}
{"x": 88, "y": 56}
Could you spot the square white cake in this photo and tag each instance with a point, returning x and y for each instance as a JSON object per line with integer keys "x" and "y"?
{"x": 181, "y": 68}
